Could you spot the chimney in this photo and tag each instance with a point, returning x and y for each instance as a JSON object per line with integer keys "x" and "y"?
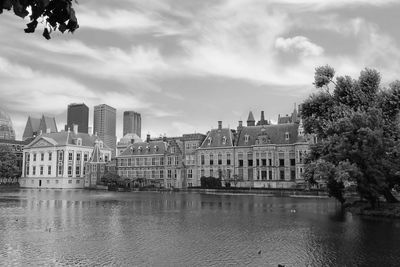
{"x": 219, "y": 125}
{"x": 132, "y": 141}
{"x": 75, "y": 126}
{"x": 148, "y": 138}
{"x": 262, "y": 116}
{"x": 48, "y": 130}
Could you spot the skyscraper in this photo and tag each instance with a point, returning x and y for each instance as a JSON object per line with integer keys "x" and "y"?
{"x": 104, "y": 125}
{"x": 78, "y": 114}
{"x": 132, "y": 123}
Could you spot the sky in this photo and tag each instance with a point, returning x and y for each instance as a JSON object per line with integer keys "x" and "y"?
{"x": 186, "y": 64}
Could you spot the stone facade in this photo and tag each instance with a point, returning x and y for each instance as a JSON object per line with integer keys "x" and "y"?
{"x": 57, "y": 160}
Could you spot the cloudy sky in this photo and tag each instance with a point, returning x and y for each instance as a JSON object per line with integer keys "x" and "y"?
{"x": 185, "y": 64}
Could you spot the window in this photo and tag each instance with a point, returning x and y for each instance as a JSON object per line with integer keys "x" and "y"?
{"x": 70, "y": 156}
{"x": 281, "y": 162}
{"x": 194, "y": 146}
{"x": 69, "y": 171}
{"x": 209, "y": 141}
{"x": 175, "y": 174}
{"x": 219, "y": 173}
{"x": 106, "y": 158}
{"x": 60, "y": 156}
{"x": 224, "y": 140}
{"x": 249, "y": 159}
{"x": 70, "y": 181}
{"x": 228, "y": 173}
{"x": 211, "y": 173}
{"x": 161, "y": 161}
{"x": 169, "y": 161}
{"x": 263, "y": 175}
{"x": 41, "y": 170}
{"x": 34, "y": 157}
{"x": 257, "y": 162}
{"x": 287, "y": 136}
{"x": 269, "y": 162}
{"x": 219, "y": 159}
{"x": 190, "y": 173}
{"x": 161, "y": 174}
{"x": 270, "y": 175}
{"x": 41, "y": 156}
{"x": 153, "y": 161}
{"x": 176, "y": 160}
{"x": 50, "y": 156}
{"x": 187, "y": 146}
{"x": 48, "y": 181}
{"x": 240, "y": 162}
{"x": 202, "y": 173}
{"x": 211, "y": 159}
{"x": 56, "y": 181}
{"x": 27, "y": 170}
{"x": 78, "y": 171}
{"x": 144, "y": 161}
{"x": 292, "y": 162}
{"x": 246, "y": 138}
{"x": 169, "y": 174}
{"x": 60, "y": 170}
{"x": 49, "y": 170}
{"x": 85, "y": 157}
{"x": 34, "y": 170}
{"x": 202, "y": 159}
{"x": 292, "y": 175}
{"x": 228, "y": 159}
{"x": 78, "y": 157}
{"x": 282, "y": 175}
{"x": 78, "y": 181}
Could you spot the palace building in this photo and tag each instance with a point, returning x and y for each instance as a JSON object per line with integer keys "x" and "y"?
{"x": 57, "y": 160}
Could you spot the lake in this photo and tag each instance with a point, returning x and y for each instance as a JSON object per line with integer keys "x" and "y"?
{"x": 86, "y": 228}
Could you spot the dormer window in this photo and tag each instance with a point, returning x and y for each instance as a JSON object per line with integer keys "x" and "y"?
{"x": 101, "y": 144}
{"x": 140, "y": 149}
{"x": 148, "y": 148}
{"x": 78, "y": 141}
{"x": 209, "y": 141}
{"x": 224, "y": 140}
{"x": 156, "y": 148}
{"x": 286, "y": 136}
{"x": 246, "y": 138}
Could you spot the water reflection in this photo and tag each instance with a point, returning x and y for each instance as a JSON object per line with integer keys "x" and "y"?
{"x": 50, "y": 227}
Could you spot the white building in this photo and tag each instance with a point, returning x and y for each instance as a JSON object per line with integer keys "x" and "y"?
{"x": 57, "y": 160}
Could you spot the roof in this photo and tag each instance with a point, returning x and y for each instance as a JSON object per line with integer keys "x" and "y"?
{"x": 96, "y": 154}
{"x": 218, "y": 138}
{"x": 271, "y": 134}
{"x": 143, "y": 148}
{"x": 251, "y": 117}
{"x": 68, "y": 138}
{"x": 127, "y": 139}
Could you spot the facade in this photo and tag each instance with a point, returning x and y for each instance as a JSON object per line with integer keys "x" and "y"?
{"x": 155, "y": 163}
{"x": 95, "y": 167}
{"x": 57, "y": 160}
{"x": 78, "y": 114}
{"x": 104, "y": 125}
{"x": 262, "y": 155}
{"x": 191, "y": 142}
{"x": 35, "y": 126}
{"x": 132, "y": 123}
{"x": 6, "y": 128}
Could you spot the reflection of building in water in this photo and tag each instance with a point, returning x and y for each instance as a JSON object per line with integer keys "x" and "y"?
{"x": 57, "y": 160}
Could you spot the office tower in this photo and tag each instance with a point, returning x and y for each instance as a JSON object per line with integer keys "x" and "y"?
{"x": 104, "y": 125}
{"x": 78, "y": 114}
{"x": 132, "y": 123}
{"x": 6, "y": 127}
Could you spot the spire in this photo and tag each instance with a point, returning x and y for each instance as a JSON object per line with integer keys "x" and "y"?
{"x": 250, "y": 119}
{"x": 96, "y": 154}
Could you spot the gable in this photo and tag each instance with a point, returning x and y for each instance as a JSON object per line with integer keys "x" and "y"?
{"x": 42, "y": 143}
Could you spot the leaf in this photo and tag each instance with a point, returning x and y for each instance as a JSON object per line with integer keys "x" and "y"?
{"x": 46, "y": 34}
{"x": 31, "y": 26}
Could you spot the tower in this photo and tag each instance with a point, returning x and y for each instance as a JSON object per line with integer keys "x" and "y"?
{"x": 250, "y": 120}
{"x": 104, "y": 125}
{"x": 78, "y": 114}
{"x": 132, "y": 123}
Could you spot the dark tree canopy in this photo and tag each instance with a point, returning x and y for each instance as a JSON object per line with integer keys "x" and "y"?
{"x": 56, "y": 14}
{"x": 358, "y": 129}
{"x": 8, "y": 163}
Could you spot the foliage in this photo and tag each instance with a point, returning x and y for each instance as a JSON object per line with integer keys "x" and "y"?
{"x": 357, "y": 126}
{"x": 210, "y": 182}
{"x": 110, "y": 177}
{"x": 56, "y": 14}
{"x": 8, "y": 163}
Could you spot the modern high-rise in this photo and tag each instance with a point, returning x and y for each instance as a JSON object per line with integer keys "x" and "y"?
{"x": 132, "y": 123}
{"x": 104, "y": 125}
{"x": 78, "y": 114}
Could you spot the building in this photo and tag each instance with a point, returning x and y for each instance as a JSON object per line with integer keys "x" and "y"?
{"x": 35, "y": 126}
{"x": 6, "y": 127}
{"x": 125, "y": 141}
{"x": 57, "y": 160}
{"x": 132, "y": 123}
{"x": 215, "y": 156}
{"x": 263, "y": 155}
{"x": 95, "y": 167}
{"x": 78, "y": 114}
{"x": 155, "y": 163}
{"x": 191, "y": 142}
{"x": 104, "y": 125}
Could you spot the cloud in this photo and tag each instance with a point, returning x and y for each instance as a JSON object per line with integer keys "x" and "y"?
{"x": 299, "y": 44}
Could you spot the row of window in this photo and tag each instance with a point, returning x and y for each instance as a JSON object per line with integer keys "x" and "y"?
{"x": 60, "y": 156}
{"x": 155, "y": 174}
{"x": 140, "y": 161}
{"x": 55, "y": 181}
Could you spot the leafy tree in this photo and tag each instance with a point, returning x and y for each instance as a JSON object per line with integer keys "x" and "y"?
{"x": 357, "y": 126}
{"x": 56, "y": 14}
{"x": 8, "y": 163}
{"x": 210, "y": 182}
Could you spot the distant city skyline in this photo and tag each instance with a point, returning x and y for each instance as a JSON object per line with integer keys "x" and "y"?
{"x": 185, "y": 64}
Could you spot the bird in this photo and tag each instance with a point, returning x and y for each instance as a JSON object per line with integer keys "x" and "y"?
{"x": 259, "y": 252}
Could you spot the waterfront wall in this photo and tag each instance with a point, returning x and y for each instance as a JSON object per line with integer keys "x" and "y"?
{"x": 285, "y": 192}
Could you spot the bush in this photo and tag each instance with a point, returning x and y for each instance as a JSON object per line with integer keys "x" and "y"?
{"x": 210, "y": 182}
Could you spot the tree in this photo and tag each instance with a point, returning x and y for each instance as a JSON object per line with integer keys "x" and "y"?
{"x": 8, "y": 163}
{"x": 357, "y": 126}
{"x": 55, "y": 14}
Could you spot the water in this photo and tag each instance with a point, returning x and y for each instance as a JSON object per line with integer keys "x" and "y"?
{"x": 86, "y": 228}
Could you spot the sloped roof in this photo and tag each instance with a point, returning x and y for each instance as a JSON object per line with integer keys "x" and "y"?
{"x": 68, "y": 138}
{"x": 275, "y": 134}
{"x": 96, "y": 154}
{"x": 143, "y": 148}
{"x": 215, "y": 138}
{"x": 251, "y": 117}
{"x": 127, "y": 139}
